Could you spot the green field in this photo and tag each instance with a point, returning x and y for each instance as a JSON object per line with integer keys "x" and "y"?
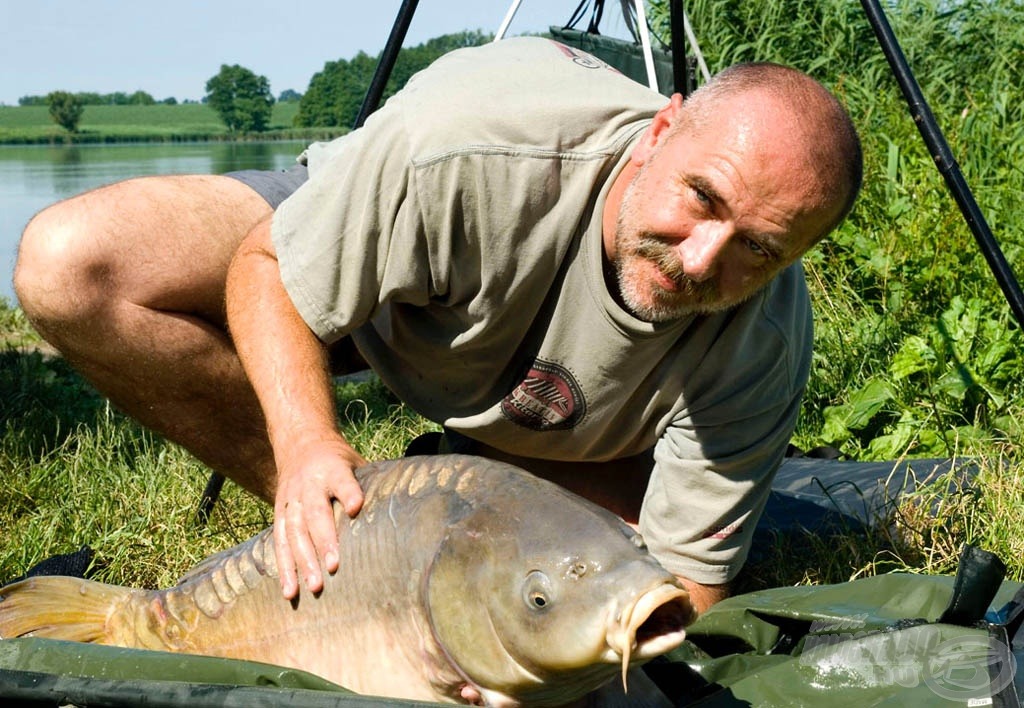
{"x": 32, "y": 124}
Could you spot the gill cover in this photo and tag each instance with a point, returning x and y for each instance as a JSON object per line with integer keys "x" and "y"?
{"x": 460, "y": 589}
{"x": 521, "y": 612}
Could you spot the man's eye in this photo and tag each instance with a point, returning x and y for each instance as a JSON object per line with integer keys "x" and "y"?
{"x": 756, "y": 248}
{"x": 702, "y": 197}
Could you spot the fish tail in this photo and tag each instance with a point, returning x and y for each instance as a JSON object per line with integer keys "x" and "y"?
{"x": 59, "y": 607}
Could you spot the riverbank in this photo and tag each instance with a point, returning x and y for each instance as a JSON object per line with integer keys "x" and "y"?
{"x": 191, "y": 122}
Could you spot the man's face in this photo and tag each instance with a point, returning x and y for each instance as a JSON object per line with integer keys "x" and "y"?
{"x": 712, "y": 215}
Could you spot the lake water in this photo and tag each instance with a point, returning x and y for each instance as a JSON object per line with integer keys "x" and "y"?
{"x": 35, "y": 176}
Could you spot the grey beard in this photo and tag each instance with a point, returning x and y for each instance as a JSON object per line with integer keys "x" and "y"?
{"x": 701, "y": 296}
{"x": 703, "y": 292}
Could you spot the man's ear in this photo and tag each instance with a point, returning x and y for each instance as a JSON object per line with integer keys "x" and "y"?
{"x": 656, "y": 130}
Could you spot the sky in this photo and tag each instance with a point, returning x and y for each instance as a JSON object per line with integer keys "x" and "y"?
{"x": 171, "y": 47}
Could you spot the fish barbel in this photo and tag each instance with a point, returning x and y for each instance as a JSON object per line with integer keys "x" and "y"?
{"x": 461, "y": 579}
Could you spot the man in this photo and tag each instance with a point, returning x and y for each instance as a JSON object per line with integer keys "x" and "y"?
{"x": 527, "y": 247}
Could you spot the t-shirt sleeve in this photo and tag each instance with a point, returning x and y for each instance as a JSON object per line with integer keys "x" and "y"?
{"x": 708, "y": 489}
{"x": 351, "y": 238}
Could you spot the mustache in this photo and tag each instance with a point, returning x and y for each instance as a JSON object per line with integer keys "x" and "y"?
{"x": 663, "y": 256}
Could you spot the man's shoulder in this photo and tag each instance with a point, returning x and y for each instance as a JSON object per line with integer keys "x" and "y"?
{"x": 525, "y": 91}
{"x": 781, "y": 322}
{"x": 786, "y": 303}
{"x": 774, "y": 328}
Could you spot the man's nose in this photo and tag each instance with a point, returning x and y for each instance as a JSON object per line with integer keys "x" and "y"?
{"x": 701, "y": 251}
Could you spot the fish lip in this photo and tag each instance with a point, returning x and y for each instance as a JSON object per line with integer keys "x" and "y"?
{"x": 666, "y": 613}
{"x": 653, "y": 624}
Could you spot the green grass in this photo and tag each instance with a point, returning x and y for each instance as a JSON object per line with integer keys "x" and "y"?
{"x": 924, "y": 533}
{"x": 32, "y": 124}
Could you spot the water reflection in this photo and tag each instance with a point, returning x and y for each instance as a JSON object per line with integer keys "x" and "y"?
{"x": 68, "y": 155}
{"x": 33, "y": 177}
{"x": 240, "y": 156}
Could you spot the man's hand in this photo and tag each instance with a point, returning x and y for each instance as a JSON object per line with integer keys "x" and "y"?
{"x": 309, "y": 480}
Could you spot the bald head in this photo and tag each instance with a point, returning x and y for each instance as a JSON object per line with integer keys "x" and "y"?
{"x": 815, "y": 122}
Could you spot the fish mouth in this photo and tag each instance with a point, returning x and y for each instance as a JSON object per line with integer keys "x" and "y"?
{"x": 654, "y": 624}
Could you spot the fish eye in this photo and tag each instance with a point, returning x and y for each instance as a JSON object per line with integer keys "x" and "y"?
{"x": 537, "y": 591}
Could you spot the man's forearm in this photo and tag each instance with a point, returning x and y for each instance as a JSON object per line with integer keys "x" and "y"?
{"x": 284, "y": 360}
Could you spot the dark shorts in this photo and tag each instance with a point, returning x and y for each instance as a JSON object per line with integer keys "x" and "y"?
{"x": 273, "y": 185}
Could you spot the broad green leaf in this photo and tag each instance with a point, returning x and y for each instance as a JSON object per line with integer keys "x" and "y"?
{"x": 954, "y": 383}
{"x": 913, "y": 356}
{"x": 835, "y": 430}
{"x": 867, "y": 402}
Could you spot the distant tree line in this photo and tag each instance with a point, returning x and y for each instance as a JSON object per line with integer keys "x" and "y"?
{"x": 336, "y": 93}
{"x": 241, "y": 98}
{"x": 138, "y": 98}
{"x": 91, "y": 98}
{"x": 244, "y": 102}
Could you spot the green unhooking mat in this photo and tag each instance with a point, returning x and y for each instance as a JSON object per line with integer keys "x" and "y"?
{"x": 892, "y": 640}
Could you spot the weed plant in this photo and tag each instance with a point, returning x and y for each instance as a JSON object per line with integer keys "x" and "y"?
{"x": 916, "y": 354}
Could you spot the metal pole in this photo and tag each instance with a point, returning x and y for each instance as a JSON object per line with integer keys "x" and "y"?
{"x": 645, "y": 42}
{"x": 387, "y": 61}
{"x": 695, "y": 46}
{"x": 209, "y": 497}
{"x": 680, "y": 72}
{"x": 943, "y": 156}
{"x": 512, "y": 10}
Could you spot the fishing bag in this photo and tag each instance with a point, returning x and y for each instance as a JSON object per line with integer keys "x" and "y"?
{"x": 625, "y": 55}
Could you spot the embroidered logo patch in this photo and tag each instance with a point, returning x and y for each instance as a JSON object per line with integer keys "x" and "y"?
{"x": 723, "y": 532}
{"x": 548, "y": 398}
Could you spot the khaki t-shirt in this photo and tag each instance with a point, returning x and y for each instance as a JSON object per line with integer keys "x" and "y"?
{"x": 457, "y": 238}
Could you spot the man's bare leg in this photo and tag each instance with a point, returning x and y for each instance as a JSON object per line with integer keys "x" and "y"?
{"x": 127, "y": 282}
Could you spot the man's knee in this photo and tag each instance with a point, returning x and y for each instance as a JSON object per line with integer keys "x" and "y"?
{"x": 53, "y": 263}
{"x": 157, "y": 242}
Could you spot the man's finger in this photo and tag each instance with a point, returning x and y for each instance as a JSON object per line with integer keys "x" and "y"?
{"x": 350, "y": 494}
{"x": 307, "y": 563}
{"x": 285, "y": 559}
{"x": 325, "y": 536}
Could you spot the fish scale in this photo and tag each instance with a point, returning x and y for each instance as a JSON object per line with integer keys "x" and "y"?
{"x": 461, "y": 579}
{"x": 222, "y": 603}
